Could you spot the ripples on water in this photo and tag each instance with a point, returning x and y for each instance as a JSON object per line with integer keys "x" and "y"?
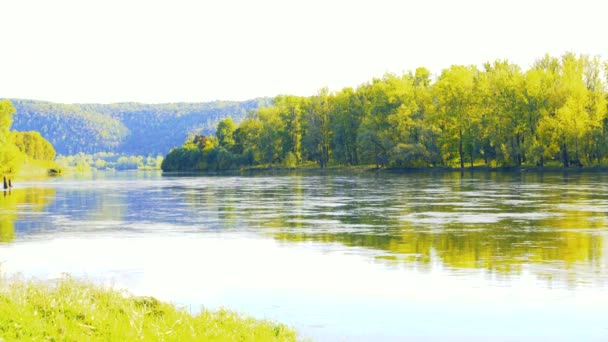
{"x": 436, "y": 235}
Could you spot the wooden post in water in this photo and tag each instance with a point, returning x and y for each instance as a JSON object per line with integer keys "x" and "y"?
{"x": 5, "y": 184}
{"x": 10, "y": 185}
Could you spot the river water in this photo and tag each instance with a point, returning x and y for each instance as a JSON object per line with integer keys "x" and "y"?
{"x": 447, "y": 256}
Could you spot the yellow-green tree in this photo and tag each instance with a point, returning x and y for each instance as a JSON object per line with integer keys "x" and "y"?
{"x": 575, "y": 108}
{"x": 34, "y": 145}
{"x": 9, "y": 153}
{"x": 291, "y": 112}
{"x": 271, "y": 135}
{"x": 456, "y": 112}
{"x": 541, "y": 104}
{"x": 247, "y": 140}
{"x": 571, "y": 120}
{"x": 224, "y": 133}
{"x": 345, "y": 121}
{"x": 596, "y": 106}
{"x": 382, "y": 100}
{"x": 390, "y": 130}
{"x": 504, "y": 125}
{"x": 318, "y": 135}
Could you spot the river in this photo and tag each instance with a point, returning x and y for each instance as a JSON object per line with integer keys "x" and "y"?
{"x": 447, "y": 256}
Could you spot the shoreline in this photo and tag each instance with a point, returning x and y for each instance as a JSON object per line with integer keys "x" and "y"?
{"x": 372, "y": 169}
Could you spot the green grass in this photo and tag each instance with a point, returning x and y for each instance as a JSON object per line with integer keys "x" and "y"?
{"x": 71, "y": 310}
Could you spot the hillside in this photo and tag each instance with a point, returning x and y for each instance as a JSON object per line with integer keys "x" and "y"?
{"x": 126, "y": 128}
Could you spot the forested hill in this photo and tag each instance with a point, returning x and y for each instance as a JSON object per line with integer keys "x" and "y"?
{"x": 127, "y": 128}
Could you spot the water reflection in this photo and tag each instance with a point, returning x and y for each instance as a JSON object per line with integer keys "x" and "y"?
{"x": 503, "y": 223}
{"x": 31, "y": 200}
{"x": 552, "y": 225}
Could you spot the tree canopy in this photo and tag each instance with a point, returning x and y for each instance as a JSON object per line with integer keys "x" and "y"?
{"x": 34, "y": 145}
{"x": 9, "y": 153}
{"x": 495, "y": 115}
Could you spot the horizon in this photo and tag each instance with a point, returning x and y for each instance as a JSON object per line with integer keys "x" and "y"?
{"x": 151, "y": 52}
{"x": 135, "y": 102}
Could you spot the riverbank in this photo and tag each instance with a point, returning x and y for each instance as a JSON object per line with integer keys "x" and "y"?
{"x": 31, "y": 168}
{"x": 366, "y": 169}
{"x": 72, "y": 310}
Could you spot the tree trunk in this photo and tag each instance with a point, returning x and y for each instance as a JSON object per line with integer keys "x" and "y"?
{"x": 518, "y": 149}
{"x": 473, "y": 153}
{"x": 522, "y": 149}
{"x": 460, "y": 150}
{"x": 565, "y": 157}
{"x": 542, "y": 161}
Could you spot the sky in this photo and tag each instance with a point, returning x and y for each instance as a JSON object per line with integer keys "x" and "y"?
{"x": 89, "y": 51}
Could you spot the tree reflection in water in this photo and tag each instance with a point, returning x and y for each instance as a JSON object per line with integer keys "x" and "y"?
{"x": 36, "y": 199}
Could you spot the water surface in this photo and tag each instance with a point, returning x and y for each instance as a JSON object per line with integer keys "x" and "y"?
{"x": 340, "y": 257}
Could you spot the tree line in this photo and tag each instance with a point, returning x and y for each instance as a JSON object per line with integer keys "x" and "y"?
{"x": 496, "y": 115}
{"x": 108, "y": 161}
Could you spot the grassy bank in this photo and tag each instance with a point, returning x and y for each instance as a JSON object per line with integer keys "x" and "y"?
{"x": 70, "y": 310}
{"x": 31, "y": 168}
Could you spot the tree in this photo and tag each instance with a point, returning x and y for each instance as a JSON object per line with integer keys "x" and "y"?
{"x": 574, "y": 108}
{"x": 541, "y": 102}
{"x": 291, "y": 112}
{"x": 596, "y": 107}
{"x": 456, "y": 112}
{"x": 317, "y": 139}
{"x": 392, "y": 130}
{"x": 225, "y": 130}
{"x": 504, "y": 125}
{"x": 345, "y": 122}
{"x": 271, "y": 135}
{"x": 34, "y": 145}
{"x": 425, "y": 133}
{"x": 9, "y": 153}
{"x": 247, "y": 140}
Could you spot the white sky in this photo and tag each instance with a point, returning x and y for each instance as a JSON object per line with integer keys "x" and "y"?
{"x": 179, "y": 50}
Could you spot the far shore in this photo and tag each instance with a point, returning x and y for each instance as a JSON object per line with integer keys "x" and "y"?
{"x": 368, "y": 169}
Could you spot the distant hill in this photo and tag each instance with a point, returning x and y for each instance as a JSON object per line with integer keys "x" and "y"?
{"x": 128, "y": 128}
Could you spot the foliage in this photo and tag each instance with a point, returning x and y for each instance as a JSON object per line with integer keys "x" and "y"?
{"x": 34, "y": 145}
{"x": 497, "y": 115}
{"x": 187, "y": 157}
{"x": 82, "y": 162}
{"x": 10, "y": 156}
{"x": 224, "y": 133}
{"x": 75, "y": 311}
{"x": 290, "y": 161}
